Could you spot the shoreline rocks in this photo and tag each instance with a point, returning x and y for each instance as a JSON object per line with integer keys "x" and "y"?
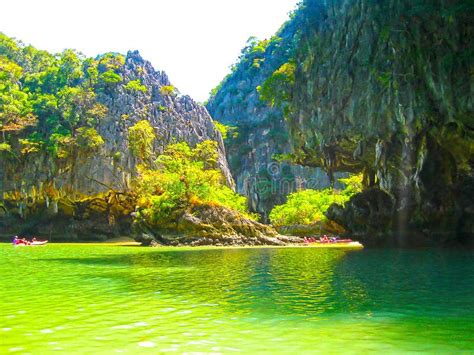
{"x": 210, "y": 225}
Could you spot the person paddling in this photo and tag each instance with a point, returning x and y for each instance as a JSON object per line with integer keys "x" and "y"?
{"x": 324, "y": 239}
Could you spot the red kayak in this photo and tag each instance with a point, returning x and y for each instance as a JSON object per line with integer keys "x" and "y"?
{"x": 333, "y": 241}
{"x": 31, "y": 244}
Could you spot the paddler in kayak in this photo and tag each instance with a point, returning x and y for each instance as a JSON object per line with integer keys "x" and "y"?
{"x": 19, "y": 241}
{"x": 324, "y": 239}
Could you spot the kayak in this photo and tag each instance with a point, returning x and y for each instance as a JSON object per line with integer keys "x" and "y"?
{"x": 335, "y": 241}
{"x": 32, "y": 244}
{"x": 351, "y": 244}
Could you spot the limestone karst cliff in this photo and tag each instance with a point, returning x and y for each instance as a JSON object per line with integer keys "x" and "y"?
{"x": 174, "y": 118}
{"x": 65, "y": 122}
{"x": 384, "y": 88}
{"x": 260, "y": 132}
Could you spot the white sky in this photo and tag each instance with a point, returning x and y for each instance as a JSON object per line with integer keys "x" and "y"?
{"x": 194, "y": 41}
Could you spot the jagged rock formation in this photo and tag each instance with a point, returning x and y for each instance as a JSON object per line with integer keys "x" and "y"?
{"x": 174, "y": 118}
{"x": 261, "y": 130}
{"x": 387, "y": 88}
{"x": 68, "y": 197}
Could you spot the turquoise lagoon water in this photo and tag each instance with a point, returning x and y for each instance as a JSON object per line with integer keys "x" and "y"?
{"x": 115, "y": 299}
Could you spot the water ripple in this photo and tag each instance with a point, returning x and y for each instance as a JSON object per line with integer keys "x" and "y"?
{"x": 118, "y": 299}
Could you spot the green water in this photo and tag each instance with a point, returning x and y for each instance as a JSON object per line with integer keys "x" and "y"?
{"x": 111, "y": 299}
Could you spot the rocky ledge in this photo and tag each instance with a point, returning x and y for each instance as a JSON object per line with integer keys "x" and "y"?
{"x": 111, "y": 215}
{"x": 210, "y": 225}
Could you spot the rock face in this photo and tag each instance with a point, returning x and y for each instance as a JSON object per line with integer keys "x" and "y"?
{"x": 210, "y": 225}
{"x": 27, "y": 206}
{"x": 97, "y": 217}
{"x": 387, "y": 88}
{"x": 174, "y": 118}
{"x": 366, "y": 215}
{"x": 261, "y": 130}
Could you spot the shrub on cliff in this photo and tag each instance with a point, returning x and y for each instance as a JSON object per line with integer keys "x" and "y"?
{"x": 184, "y": 177}
{"x": 308, "y": 206}
{"x": 110, "y": 77}
{"x": 135, "y": 86}
{"x": 225, "y": 130}
{"x": 168, "y": 90}
{"x": 276, "y": 89}
{"x": 88, "y": 139}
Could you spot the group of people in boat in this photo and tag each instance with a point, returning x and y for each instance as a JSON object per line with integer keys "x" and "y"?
{"x": 23, "y": 241}
{"x": 325, "y": 239}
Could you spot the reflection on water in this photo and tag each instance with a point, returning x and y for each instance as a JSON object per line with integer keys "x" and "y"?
{"x": 125, "y": 299}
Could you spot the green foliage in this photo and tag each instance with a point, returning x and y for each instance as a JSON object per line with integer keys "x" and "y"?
{"x": 29, "y": 146}
{"x": 70, "y": 68}
{"x": 16, "y": 111}
{"x": 168, "y": 90}
{"x": 225, "y": 130}
{"x": 353, "y": 185}
{"x": 183, "y": 177}
{"x": 60, "y": 144}
{"x": 249, "y": 63}
{"x": 277, "y": 88}
{"x": 207, "y": 153}
{"x": 254, "y": 49}
{"x": 110, "y": 61}
{"x": 284, "y": 158}
{"x": 53, "y": 96}
{"x": 308, "y": 206}
{"x": 91, "y": 72}
{"x": 110, "y": 77}
{"x": 135, "y": 86}
{"x": 140, "y": 140}
{"x": 88, "y": 139}
{"x": 5, "y": 147}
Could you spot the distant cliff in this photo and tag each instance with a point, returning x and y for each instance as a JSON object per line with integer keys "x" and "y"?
{"x": 261, "y": 133}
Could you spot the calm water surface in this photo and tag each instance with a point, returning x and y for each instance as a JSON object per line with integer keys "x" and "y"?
{"x": 112, "y": 299}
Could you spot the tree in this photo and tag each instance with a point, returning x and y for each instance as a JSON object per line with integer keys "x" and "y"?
{"x": 16, "y": 109}
{"x": 207, "y": 153}
{"x": 140, "y": 140}
{"x": 110, "y": 78}
{"x": 277, "y": 88}
{"x": 308, "y": 206}
{"x": 70, "y": 68}
{"x": 225, "y": 130}
{"x": 184, "y": 177}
